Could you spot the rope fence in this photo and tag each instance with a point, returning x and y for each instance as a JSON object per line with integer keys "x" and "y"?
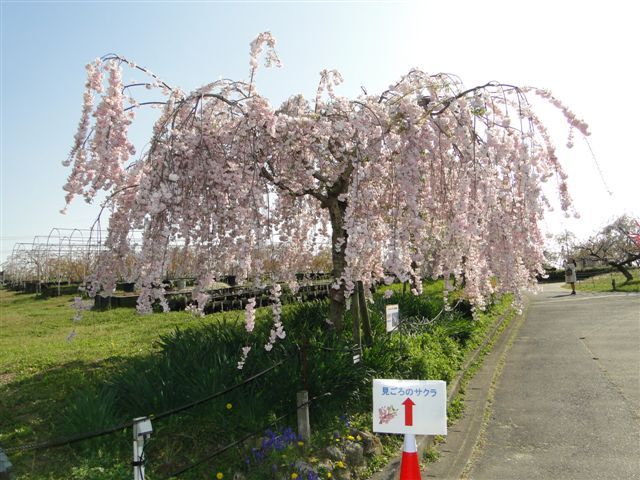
{"x": 243, "y": 439}
{"x": 123, "y": 426}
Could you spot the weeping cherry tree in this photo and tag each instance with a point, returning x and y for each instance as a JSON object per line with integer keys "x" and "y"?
{"x": 428, "y": 178}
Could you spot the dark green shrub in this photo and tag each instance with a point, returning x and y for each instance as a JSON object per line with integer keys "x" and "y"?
{"x": 91, "y": 410}
{"x": 432, "y": 356}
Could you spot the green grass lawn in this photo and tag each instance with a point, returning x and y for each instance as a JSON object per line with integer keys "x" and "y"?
{"x": 602, "y": 283}
{"x": 33, "y": 334}
{"x": 40, "y": 369}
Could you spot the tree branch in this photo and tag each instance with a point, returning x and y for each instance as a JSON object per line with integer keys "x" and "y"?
{"x": 281, "y": 185}
{"x": 447, "y": 102}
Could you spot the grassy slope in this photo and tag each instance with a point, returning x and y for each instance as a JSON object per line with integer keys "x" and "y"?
{"x": 602, "y": 283}
{"x": 39, "y": 368}
{"x": 34, "y": 333}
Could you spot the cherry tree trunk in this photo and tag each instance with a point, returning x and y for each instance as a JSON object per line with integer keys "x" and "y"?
{"x": 337, "y": 306}
{"x": 622, "y": 269}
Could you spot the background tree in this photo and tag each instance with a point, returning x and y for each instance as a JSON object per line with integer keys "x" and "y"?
{"x": 425, "y": 178}
{"x": 559, "y": 247}
{"x": 615, "y": 245}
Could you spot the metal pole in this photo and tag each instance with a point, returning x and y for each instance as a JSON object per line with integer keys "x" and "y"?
{"x": 5, "y": 466}
{"x": 141, "y": 431}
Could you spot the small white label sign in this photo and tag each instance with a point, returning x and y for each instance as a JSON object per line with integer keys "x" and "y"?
{"x": 393, "y": 317}
{"x": 410, "y": 406}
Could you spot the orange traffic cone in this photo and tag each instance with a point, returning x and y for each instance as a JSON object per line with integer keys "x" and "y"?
{"x": 410, "y": 466}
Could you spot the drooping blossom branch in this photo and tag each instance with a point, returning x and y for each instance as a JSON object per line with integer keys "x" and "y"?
{"x": 243, "y": 358}
{"x": 250, "y": 315}
{"x": 277, "y": 331}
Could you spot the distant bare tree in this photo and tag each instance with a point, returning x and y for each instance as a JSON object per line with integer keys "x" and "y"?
{"x": 560, "y": 247}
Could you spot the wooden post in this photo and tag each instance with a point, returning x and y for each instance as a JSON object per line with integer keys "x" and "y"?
{"x": 355, "y": 316}
{"x": 364, "y": 314}
{"x": 304, "y": 427}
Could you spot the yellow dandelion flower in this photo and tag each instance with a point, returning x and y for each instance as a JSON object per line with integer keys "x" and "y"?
{"x": 359, "y": 438}
{"x": 350, "y": 437}
{"x": 329, "y": 475}
{"x": 229, "y": 406}
{"x": 301, "y": 444}
{"x": 294, "y": 475}
{"x": 219, "y": 475}
{"x": 340, "y": 464}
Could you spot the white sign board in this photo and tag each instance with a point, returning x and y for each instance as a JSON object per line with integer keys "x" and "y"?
{"x": 393, "y": 317}
{"x": 410, "y": 406}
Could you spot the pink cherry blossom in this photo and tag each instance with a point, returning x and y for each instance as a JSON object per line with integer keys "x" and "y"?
{"x": 250, "y": 317}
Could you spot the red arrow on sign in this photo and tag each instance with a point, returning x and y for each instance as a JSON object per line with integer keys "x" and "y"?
{"x": 408, "y": 411}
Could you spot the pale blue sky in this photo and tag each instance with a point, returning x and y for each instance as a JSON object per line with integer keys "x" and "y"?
{"x": 585, "y": 52}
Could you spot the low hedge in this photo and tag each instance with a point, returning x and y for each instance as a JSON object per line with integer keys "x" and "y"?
{"x": 558, "y": 275}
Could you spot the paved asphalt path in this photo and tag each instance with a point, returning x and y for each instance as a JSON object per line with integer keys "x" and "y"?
{"x": 567, "y": 403}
